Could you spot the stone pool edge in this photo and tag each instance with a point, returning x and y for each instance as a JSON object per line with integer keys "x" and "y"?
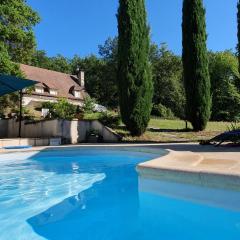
{"x": 186, "y": 167}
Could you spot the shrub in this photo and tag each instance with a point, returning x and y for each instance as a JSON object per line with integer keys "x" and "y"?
{"x": 89, "y": 105}
{"x": 91, "y": 116}
{"x": 162, "y": 111}
{"x": 62, "y": 109}
{"x": 224, "y": 80}
{"x": 110, "y": 119}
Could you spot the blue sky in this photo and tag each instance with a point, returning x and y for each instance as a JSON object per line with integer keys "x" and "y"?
{"x": 71, "y": 27}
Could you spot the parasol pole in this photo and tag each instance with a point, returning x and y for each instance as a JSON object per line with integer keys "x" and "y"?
{"x": 20, "y": 114}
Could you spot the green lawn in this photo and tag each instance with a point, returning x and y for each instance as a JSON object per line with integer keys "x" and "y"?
{"x": 160, "y": 130}
{"x": 180, "y": 125}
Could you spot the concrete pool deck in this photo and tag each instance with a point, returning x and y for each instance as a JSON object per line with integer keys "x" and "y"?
{"x": 187, "y": 163}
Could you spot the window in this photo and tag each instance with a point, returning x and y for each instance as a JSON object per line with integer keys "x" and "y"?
{"x": 77, "y": 94}
{"x": 53, "y": 92}
{"x": 39, "y": 89}
{"x": 46, "y": 90}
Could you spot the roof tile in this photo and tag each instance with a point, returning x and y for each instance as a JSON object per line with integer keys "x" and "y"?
{"x": 54, "y": 80}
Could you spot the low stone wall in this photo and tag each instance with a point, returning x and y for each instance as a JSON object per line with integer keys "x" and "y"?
{"x": 70, "y": 131}
{"x": 3, "y": 128}
{"x": 36, "y": 142}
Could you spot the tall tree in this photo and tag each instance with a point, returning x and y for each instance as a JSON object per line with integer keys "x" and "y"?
{"x": 238, "y": 46}
{"x": 134, "y": 71}
{"x": 16, "y": 33}
{"x": 40, "y": 59}
{"x": 108, "y": 53}
{"x": 195, "y": 64}
{"x": 7, "y": 67}
{"x": 168, "y": 83}
{"x": 17, "y": 41}
{"x": 223, "y": 68}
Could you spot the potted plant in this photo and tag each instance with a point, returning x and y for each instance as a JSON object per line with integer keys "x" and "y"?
{"x": 93, "y": 136}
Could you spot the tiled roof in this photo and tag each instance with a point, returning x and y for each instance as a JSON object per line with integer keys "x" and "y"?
{"x": 54, "y": 80}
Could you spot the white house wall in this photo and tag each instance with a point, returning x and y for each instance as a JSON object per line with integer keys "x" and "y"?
{"x": 29, "y": 99}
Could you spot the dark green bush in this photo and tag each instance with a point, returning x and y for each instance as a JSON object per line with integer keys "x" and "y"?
{"x": 89, "y": 104}
{"x": 62, "y": 109}
{"x": 162, "y": 111}
{"x": 110, "y": 119}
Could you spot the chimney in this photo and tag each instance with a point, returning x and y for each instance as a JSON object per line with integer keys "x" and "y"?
{"x": 81, "y": 77}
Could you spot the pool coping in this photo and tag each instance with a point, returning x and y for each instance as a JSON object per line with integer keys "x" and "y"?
{"x": 190, "y": 168}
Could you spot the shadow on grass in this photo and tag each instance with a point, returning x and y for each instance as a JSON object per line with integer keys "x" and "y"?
{"x": 169, "y": 130}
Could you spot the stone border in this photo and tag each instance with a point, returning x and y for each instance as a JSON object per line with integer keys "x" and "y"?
{"x": 188, "y": 167}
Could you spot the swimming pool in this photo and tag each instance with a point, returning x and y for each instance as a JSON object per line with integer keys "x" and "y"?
{"x": 92, "y": 193}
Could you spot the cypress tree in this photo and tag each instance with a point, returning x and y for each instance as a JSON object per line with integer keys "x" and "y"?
{"x": 238, "y": 45}
{"x": 134, "y": 71}
{"x": 195, "y": 64}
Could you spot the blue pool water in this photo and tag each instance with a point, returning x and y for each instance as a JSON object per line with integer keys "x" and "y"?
{"x": 93, "y": 194}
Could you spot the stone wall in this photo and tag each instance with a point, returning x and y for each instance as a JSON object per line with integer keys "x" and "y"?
{"x": 70, "y": 131}
{"x": 3, "y": 128}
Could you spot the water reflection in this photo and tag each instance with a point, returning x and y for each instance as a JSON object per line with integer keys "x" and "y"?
{"x": 107, "y": 210}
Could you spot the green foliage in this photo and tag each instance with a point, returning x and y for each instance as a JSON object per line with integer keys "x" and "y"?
{"x": 26, "y": 113}
{"x": 195, "y": 64}
{"x": 110, "y": 119}
{"x": 167, "y": 78}
{"x": 65, "y": 110}
{"x": 89, "y": 104}
{"x": 62, "y": 109}
{"x": 7, "y": 67}
{"x": 16, "y": 43}
{"x": 109, "y": 50}
{"x": 92, "y": 66}
{"x": 51, "y": 107}
{"x": 223, "y": 68}
{"x": 100, "y": 77}
{"x": 58, "y": 63}
{"x": 8, "y": 102}
{"x": 162, "y": 111}
{"x": 16, "y": 23}
{"x": 92, "y": 116}
{"x": 40, "y": 59}
{"x": 134, "y": 71}
{"x": 101, "y": 74}
{"x": 234, "y": 126}
{"x": 109, "y": 91}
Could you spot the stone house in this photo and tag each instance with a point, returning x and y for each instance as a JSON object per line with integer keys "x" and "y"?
{"x": 53, "y": 86}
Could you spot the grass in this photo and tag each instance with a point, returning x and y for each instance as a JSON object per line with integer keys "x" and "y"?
{"x": 91, "y": 116}
{"x": 160, "y": 130}
{"x": 181, "y": 125}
